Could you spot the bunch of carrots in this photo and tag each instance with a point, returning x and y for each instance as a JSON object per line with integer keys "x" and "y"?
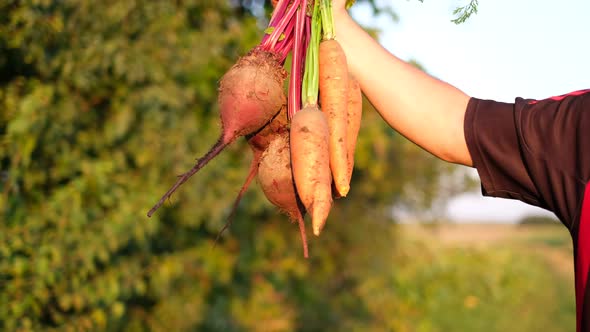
{"x": 303, "y": 146}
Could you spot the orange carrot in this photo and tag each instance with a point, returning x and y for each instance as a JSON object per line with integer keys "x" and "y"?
{"x": 355, "y": 113}
{"x": 333, "y": 84}
{"x": 311, "y": 163}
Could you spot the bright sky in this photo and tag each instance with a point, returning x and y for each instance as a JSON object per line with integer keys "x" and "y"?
{"x": 526, "y": 48}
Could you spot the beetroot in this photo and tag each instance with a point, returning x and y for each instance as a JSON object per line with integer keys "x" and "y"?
{"x": 258, "y": 142}
{"x": 250, "y": 95}
{"x": 276, "y": 180}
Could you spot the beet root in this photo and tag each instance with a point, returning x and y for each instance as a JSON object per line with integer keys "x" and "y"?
{"x": 250, "y": 95}
{"x": 276, "y": 180}
{"x": 258, "y": 142}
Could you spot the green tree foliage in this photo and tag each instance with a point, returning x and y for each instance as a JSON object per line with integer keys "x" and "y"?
{"x": 101, "y": 104}
{"x": 463, "y": 13}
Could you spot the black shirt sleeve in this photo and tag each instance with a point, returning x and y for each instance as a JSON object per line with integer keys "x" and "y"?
{"x": 534, "y": 151}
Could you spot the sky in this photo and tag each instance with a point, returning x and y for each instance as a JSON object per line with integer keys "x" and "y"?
{"x": 510, "y": 48}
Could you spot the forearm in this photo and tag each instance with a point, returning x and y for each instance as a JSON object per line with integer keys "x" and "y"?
{"x": 427, "y": 111}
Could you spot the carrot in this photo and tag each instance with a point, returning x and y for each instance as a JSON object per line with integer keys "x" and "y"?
{"x": 250, "y": 95}
{"x": 310, "y": 161}
{"x": 276, "y": 180}
{"x": 354, "y": 115}
{"x": 309, "y": 138}
{"x": 333, "y": 85}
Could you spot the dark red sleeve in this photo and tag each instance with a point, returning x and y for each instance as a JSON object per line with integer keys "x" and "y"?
{"x": 538, "y": 151}
{"x": 534, "y": 151}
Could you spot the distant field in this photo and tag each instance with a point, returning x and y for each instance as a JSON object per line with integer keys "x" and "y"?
{"x": 488, "y": 277}
{"x": 552, "y": 242}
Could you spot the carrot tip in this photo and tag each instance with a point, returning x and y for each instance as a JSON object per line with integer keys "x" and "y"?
{"x": 344, "y": 191}
{"x": 317, "y": 230}
{"x": 319, "y": 214}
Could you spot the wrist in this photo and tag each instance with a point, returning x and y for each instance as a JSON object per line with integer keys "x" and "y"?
{"x": 340, "y": 16}
{"x": 341, "y": 19}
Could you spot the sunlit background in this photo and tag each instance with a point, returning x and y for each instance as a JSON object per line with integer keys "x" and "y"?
{"x": 103, "y": 103}
{"x": 525, "y": 48}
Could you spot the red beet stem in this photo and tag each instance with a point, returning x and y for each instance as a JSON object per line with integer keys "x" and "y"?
{"x": 215, "y": 150}
{"x": 284, "y": 47}
{"x": 284, "y": 52}
{"x": 279, "y": 12}
{"x": 280, "y": 28}
{"x": 297, "y": 65}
